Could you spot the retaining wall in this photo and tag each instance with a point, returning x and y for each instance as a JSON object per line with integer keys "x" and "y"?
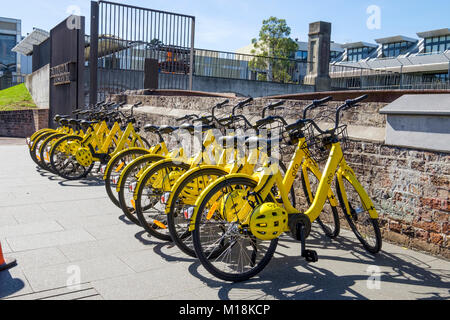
{"x": 22, "y": 123}
{"x": 410, "y": 187}
{"x": 38, "y": 84}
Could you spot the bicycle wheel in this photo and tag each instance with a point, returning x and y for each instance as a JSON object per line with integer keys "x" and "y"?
{"x": 364, "y": 227}
{"x": 64, "y": 163}
{"x": 115, "y": 168}
{"x": 34, "y": 150}
{"x": 128, "y": 181}
{"x": 45, "y": 148}
{"x": 150, "y": 211}
{"x": 227, "y": 249}
{"x": 183, "y": 200}
{"x": 146, "y": 145}
{"x": 329, "y": 217}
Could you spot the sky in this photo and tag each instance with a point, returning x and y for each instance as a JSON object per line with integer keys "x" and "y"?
{"x": 228, "y": 25}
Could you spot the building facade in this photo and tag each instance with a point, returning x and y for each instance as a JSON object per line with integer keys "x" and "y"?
{"x": 424, "y": 60}
{"x": 13, "y": 65}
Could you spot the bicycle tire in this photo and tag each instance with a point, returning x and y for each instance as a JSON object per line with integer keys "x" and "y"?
{"x": 374, "y": 249}
{"x": 42, "y": 148}
{"x": 110, "y": 187}
{"x": 204, "y": 256}
{"x": 61, "y": 173}
{"x": 129, "y": 212}
{"x": 181, "y": 240}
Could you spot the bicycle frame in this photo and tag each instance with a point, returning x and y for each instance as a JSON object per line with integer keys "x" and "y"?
{"x": 270, "y": 176}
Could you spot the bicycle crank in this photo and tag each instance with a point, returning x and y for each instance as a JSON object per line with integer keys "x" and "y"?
{"x": 300, "y": 227}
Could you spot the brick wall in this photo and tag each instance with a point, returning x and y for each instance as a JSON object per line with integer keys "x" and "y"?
{"x": 22, "y": 123}
{"x": 410, "y": 187}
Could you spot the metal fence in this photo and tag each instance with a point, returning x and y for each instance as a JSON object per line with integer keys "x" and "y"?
{"x": 357, "y": 78}
{"x": 219, "y": 64}
{"x": 124, "y": 36}
{"x": 10, "y": 80}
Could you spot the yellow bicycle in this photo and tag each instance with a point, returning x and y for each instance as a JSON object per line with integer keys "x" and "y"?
{"x": 73, "y": 156}
{"x": 237, "y": 220}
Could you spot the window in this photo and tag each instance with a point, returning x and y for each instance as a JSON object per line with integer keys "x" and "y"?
{"x": 356, "y": 54}
{"x": 334, "y": 55}
{"x": 7, "y": 42}
{"x": 395, "y": 49}
{"x": 437, "y": 44}
{"x": 302, "y": 55}
{"x": 438, "y": 77}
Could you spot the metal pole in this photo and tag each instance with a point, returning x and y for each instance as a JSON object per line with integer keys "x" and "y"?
{"x": 191, "y": 62}
{"x": 93, "y": 57}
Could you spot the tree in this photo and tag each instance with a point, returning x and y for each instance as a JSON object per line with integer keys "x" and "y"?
{"x": 275, "y": 44}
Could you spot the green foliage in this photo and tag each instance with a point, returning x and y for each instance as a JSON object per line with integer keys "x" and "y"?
{"x": 274, "y": 48}
{"x": 16, "y": 98}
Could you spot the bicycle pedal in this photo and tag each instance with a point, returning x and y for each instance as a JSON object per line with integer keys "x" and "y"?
{"x": 310, "y": 255}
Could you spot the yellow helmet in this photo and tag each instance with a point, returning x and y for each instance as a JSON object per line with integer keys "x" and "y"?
{"x": 268, "y": 221}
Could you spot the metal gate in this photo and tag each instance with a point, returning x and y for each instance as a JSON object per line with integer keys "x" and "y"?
{"x": 124, "y": 36}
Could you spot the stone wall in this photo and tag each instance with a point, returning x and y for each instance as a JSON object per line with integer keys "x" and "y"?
{"x": 410, "y": 187}
{"x": 22, "y": 123}
{"x": 38, "y": 84}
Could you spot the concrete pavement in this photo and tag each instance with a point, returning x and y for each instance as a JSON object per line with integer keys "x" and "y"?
{"x": 62, "y": 231}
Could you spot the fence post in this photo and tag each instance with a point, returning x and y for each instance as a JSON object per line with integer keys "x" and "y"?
{"x": 191, "y": 62}
{"x": 401, "y": 77}
{"x": 93, "y": 56}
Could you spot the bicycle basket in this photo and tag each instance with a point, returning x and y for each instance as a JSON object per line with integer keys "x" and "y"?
{"x": 317, "y": 145}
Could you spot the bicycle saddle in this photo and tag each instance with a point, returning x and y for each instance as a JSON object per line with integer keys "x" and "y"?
{"x": 85, "y": 123}
{"x": 256, "y": 142}
{"x": 168, "y": 129}
{"x": 74, "y": 122}
{"x": 58, "y": 117}
{"x": 192, "y": 129}
{"x": 151, "y": 128}
{"x": 64, "y": 122}
{"x": 228, "y": 141}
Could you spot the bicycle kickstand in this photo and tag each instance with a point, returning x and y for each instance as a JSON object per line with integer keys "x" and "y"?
{"x": 309, "y": 255}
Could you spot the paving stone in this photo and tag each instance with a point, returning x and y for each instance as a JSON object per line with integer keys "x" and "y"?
{"x": 38, "y": 258}
{"x": 63, "y": 293}
{"x": 88, "y": 221}
{"x": 141, "y": 261}
{"x": 119, "y": 260}
{"x": 31, "y": 217}
{"x": 7, "y": 219}
{"x": 57, "y": 276}
{"x": 108, "y": 232}
{"x": 49, "y": 240}
{"x": 94, "y": 249}
{"x": 30, "y": 229}
{"x": 24, "y": 210}
{"x": 147, "y": 285}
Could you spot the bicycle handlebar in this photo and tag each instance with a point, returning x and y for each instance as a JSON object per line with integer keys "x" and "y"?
{"x": 316, "y": 104}
{"x": 350, "y": 103}
{"x": 273, "y": 106}
{"x": 241, "y": 105}
{"x": 219, "y": 106}
{"x": 187, "y": 117}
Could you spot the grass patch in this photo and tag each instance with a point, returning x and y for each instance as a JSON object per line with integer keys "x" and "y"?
{"x": 16, "y": 98}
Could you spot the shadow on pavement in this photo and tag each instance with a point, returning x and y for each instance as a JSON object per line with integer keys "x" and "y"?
{"x": 90, "y": 181}
{"x": 9, "y": 285}
{"x": 284, "y": 278}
